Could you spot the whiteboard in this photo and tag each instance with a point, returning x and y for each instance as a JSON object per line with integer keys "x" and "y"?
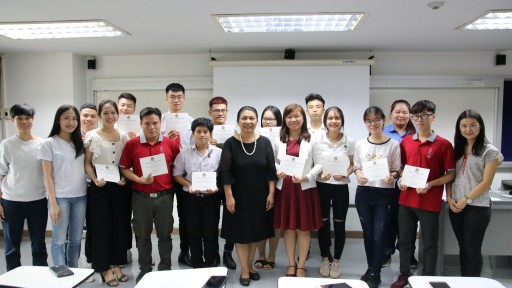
{"x": 450, "y": 103}
{"x": 196, "y": 100}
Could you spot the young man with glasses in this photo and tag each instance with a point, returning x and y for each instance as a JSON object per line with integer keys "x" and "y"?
{"x": 175, "y": 99}
{"x": 424, "y": 149}
{"x": 219, "y": 113}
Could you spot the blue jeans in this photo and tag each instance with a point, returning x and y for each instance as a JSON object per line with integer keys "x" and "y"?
{"x": 372, "y": 205}
{"x": 36, "y": 213}
{"x": 70, "y": 226}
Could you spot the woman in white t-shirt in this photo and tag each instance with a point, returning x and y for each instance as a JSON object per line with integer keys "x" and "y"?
{"x": 333, "y": 188}
{"x": 104, "y": 146}
{"x": 62, "y": 157}
{"x": 374, "y": 195}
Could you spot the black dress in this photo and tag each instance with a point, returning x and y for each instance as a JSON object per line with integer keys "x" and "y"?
{"x": 249, "y": 176}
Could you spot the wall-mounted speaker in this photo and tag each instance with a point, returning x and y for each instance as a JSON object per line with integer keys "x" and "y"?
{"x": 91, "y": 64}
{"x": 289, "y": 54}
{"x": 501, "y": 59}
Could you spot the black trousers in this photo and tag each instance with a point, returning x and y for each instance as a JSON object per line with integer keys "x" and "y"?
{"x": 108, "y": 217}
{"x": 184, "y": 241}
{"x": 469, "y": 227}
{"x": 202, "y": 217}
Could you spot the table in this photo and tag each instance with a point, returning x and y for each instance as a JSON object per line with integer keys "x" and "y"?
{"x": 186, "y": 278}
{"x": 294, "y": 282}
{"x": 494, "y": 243}
{"x": 454, "y": 282}
{"x": 42, "y": 277}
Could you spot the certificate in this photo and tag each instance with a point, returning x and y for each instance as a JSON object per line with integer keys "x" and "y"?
{"x": 202, "y": 181}
{"x": 292, "y": 166}
{"x": 154, "y": 165}
{"x": 272, "y": 133}
{"x": 128, "y": 123}
{"x": 108, "y": 173}
{"x": 376, "y": 169}
{"x": 177, "y": 121}
{"x": 336, "y": 165}
{"x": 415, "y": 177}
{"x": 221, "y": 133}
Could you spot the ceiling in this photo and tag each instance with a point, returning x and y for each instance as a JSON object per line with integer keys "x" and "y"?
{"x": 186, "y": 26}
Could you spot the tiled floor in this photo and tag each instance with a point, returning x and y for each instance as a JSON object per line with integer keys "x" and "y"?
{"x": 352, "y": 267}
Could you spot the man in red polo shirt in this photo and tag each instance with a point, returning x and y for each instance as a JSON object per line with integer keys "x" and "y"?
{"x": 424, "y": 149}
{"x": 152, "y": 198}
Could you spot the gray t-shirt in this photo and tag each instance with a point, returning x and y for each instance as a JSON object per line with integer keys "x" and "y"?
{"x": 470, "y": 172}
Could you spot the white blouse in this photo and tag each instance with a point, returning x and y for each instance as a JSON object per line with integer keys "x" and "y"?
{"x": 105, "y": 152}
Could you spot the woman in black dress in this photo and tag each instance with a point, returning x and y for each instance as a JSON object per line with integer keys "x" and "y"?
{"x": 248, "y": 173}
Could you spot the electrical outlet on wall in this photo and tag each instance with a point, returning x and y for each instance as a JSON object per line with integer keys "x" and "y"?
{"x": 5, "y": 114}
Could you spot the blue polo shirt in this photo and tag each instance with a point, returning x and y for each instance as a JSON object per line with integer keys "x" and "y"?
{"x": 391, "y": 132}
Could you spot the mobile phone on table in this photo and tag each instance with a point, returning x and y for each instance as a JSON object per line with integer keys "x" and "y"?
{"x": 335, "y": 285}
{"x": 61, "y": 271}
{"x": 216, "y": 281}
{"x": 439, "y": 284}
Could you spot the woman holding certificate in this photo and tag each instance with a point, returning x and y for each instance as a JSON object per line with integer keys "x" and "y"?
{"x": 297, "y": 204}
{"x": 376, "y": 165}
{"x": 336, "y": 152}
{"x": 103, "y": 149}
{"x": 468, "y": 196}
{"x": 62, "y": 159}
{"x": 270, "y": 117}
{"x": 248, "y": 174}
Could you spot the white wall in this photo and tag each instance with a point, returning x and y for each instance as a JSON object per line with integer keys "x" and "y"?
{"x": 49, "y": 80}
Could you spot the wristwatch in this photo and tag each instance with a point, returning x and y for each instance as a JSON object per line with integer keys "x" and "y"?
{"x": 468, "y": 200}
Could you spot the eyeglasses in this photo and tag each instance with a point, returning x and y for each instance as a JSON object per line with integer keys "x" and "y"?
{"x": 422, "y": 116}
{"x": 269, "y": 119}
{"x": 174, "y": 98}
{"x": 374, "y": 121}
{"x": 218, "y": 111}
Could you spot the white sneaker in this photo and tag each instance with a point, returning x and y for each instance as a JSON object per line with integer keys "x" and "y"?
{"x": 335, "y": 270}
{"x": 325, "y": 268}
{"x": 90, "y": 279}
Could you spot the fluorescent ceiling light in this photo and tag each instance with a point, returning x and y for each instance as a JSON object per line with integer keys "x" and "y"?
{"x": 491, "y": 20}
{"x": 60, "y": 29}
{"x": 321, "y": 22}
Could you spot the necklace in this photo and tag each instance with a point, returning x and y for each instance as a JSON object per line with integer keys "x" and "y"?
{"x": 254, "y": 150}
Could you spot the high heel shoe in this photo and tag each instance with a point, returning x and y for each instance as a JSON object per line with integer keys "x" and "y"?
{"x": 119, "y": 275}
{"x": 294, "y": 271}
{"x": 110, "y": 283}
{"x": 303, "y": 269}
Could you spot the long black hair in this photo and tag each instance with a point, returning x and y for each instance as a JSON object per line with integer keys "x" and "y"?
{"x": 276, "y": 112}
{"x": 76, "y": 135}
{"x": 409, "y": 127}
{"x": 460, "y": 142}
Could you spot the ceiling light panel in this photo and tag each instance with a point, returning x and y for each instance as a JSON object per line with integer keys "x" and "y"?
{"x": 491, "y": 20}
{"x": 321, "y": 22}
{"x": 60, "y": 29}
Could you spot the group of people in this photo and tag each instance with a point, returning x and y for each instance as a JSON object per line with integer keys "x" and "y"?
{"x": 260, "y": 198}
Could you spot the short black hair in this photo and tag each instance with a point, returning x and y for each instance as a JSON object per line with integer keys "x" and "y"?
{"x": 423, "y": 105}
{"x": 204, "y": 122}
{"x": 127, "y": 96}
{"x": 22, "y": 109}
{"x": 314, "y": 96}
{"x": 174, "y": 87}
{"x": 150, "y": 111}
{"x": 88, "y": 106}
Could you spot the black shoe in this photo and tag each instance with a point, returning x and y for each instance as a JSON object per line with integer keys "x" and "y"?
{"x": 245, "y": 281}
{"x": 387, "y": 261}
{"x": 227, "y": 258}
{"x": 184, "y": 258}
{"x": 414, "y": 263}
{"x": 141, "y": 274}
{"x": 366, "y": 275}
{"x": 373, "y": 280}
{"x": 216, "y": 261}
{"x": 254, "y": 276}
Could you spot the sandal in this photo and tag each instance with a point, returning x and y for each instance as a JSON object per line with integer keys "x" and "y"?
{"x": 110, "y": 283}
{"x": 269, "y": 265}
{"x": 303, "y": 269}
{"x": 260, "y": 263}
{"x": 294, "y": 271}
{"x": 121, "y": 277}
